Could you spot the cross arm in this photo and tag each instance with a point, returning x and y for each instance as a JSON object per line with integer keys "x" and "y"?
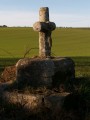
{"x": 44, "y": 26}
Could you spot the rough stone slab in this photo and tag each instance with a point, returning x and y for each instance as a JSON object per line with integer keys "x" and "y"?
{"x": 33, "y": 101}
{"x": 36, "y": 72}
{"x": 61, "y": 106}
{"x": 45, "y": 72}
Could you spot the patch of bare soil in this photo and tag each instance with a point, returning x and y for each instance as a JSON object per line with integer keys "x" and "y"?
{"x": 9, "y": 74}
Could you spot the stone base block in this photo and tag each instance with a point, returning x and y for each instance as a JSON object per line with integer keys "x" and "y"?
{"x": 46, "y": 72}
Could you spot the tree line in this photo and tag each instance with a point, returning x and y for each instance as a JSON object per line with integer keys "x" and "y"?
{"x": 3, "y": 25}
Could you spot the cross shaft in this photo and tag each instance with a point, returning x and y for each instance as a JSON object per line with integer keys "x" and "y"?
{"x": 45, "y": 28}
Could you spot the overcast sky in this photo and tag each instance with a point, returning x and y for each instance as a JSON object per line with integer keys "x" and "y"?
{"x": 68, "y": 13}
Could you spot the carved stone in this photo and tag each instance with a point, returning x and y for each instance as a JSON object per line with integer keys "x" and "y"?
{"x": 44, "y": 27}
{"x": 38, "y": 72}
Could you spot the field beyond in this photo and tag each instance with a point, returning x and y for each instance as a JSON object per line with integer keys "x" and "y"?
{"x": 15, "y": 42}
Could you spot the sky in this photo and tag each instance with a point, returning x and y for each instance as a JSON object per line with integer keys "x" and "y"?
{"x": 65, "y": 13}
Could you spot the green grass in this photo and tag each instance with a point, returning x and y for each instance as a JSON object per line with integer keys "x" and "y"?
{"x": 14, "y": 42}
{"x": 82, "y": 66}
{"x": 71, "y": 42}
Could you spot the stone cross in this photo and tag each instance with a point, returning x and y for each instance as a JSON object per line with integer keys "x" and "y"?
{"x": 45, "y": 28}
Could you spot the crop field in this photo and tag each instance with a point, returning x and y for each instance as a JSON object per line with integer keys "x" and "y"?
{"x": 15, "y": 42}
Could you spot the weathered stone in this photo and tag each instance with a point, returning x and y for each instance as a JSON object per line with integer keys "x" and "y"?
{"x": 62, "y": 106}
{"x": 44, "y": 14}
{"x": 64, "y": 72}
{"x": 44, "y": 27}
{"x": 33, "y": 101}
{"x": 36, "y": 72}
{"x": 45, "y": 72}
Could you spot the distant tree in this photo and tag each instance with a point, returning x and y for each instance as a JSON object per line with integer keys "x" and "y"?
{"x": 4, "y": 26}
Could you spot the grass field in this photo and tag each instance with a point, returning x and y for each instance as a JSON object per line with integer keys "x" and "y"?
{"x": 14, "y": 42}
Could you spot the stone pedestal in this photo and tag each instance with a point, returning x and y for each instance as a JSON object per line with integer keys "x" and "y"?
{"x": 38, "y": 72}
